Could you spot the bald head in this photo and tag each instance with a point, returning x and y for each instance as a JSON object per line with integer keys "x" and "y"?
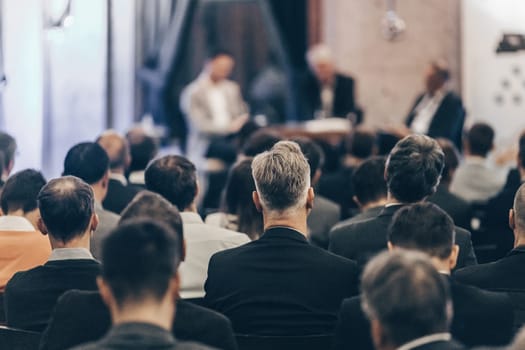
{"x": 117, "y": 149}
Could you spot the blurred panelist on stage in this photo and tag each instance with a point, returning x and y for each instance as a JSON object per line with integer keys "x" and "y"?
{"x": 324, "y": 92}
{"x": 438, "y": 112}
{"x": 213, "y": 105}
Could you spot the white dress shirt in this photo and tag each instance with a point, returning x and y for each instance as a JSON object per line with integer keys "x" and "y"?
{"x": 432, "y": 338}
{"x": 425, "y": 111}
{"x": 15, "y": 223}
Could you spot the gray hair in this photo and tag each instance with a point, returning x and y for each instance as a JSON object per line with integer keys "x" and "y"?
{"x": 282, "y": 177}
{"x": 408, "y": 297}
{"x": 319, "y": 53}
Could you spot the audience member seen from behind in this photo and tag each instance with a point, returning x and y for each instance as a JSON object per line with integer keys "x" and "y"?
{"x": 175, "y": 178}
{"x": 413, "y": 171}
{"x": 139, "y": 284}
{"x": 120, "y": 193}
{"x": 68, "y": 218}
{"x": 280, "y": 268}
{"x": 407, "y": 302}
{"x": 455, "y": 206}
{"x": 22, "y": 246}
{"x": 143, "y": 149}
{"x": 89, "y": 162}
{"x": 239, "y": 212}
{"x": 477, "y": 179}
{"x": 7, "y": 150}
{"x": 325, "y": 213}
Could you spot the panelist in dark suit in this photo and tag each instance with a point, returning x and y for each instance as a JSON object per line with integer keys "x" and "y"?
{"x": 412, "y": 173}
{"x": 437, "y": 112}
{"x": 280, "y": 284}
{"x": 326, "y": 93}
{"x": 479, "y": 317}
{"x": 505, "y": 274}
{"x": 407, "y": 303}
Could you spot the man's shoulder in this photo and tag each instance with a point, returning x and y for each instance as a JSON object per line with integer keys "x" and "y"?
{"x": 191, "y": 346}
{"x": 325, "y": 204}
{"x": 214, "y": 233}
{"x": 349, "y": 229}
{"x": 22, "y": 276}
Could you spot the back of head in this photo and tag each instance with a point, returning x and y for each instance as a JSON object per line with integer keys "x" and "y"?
{"x": 87, "y": 161}
{"x": 451, "y": 158}
{"x": 116, "y": 148}
{"x": 368, "y": 181}
{"x": 313, "y": 152}
{"x": 423, "y": 227}
{"x": 66, "y": 206}
{"x": 519, "y": 209}
{"x": 174, "y": 178}
{"x": 480, "y": 139}
{"x": 414, "y": 168}
{"x": 143, "y": 148}
{"x": 260, "y": 141}
{"x": 139, "y": 258}
{"x": 282, "y": 177}
{"x": 361, "y": 143}
{"x": 8, "y": 148}
{"x": 405, "y": 294}
{"x": 21, "y": 191}
{"x": 319, "y": 53}
{"x": 149, "y": 205}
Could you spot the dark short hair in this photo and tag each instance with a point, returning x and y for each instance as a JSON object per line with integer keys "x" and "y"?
{"x": 361, "y": 143}
{"x": 414, "y": 168}
{"x": 8, "y": 147}
{"x": 139, "y": 258}
{"x": 451, "y": 158}
{"x": 174, "y": 178}
{"x": 368, "y": 180}
{"x": 480, "y": 139}
{"x": 66, "y": 206}
{"x": 21, "y": 191}
{"x": 313, "y": 152}
{"x": 149, "y": 205}
{"x": 260, "y": 141}
{"x": 403, "y": 291}
{"x": 87, "y": 161}
{"x": 143, "y": 149}
{"x": 441, "y": 69}
{"x": 424, "y": 227}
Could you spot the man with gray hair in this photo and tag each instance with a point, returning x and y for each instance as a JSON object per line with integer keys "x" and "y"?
{"x": 407, "y": 302}
{"x": 280, "y": 284}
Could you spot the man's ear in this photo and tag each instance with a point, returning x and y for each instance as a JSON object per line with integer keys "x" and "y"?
{"x": 256, "y": 201}
{"x": 453, "y": 258}
{"x": 310, "y": 196}
{"x": 379, "y": 337}
{"x": 41, "y": 226}
{"x": 94, "y": 223}
{"x": 390, "y": 246}
{"x": 105, "y": 180}
{"x": 512, "y": 219}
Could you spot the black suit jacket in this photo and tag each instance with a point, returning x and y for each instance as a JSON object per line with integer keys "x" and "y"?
{"x": 119, "y": 196}
{"x": 31, "y": 295}
{"x": 343, "y": 97}
{"x": 458, "y": 209}
{"x": 81, "y": 317}
{"x": 504, "y": 275}
{"x": 279, "y": 285}
{"x": 362, "y": 240}
{"x": 480, "y": 318}
{"x": 448, "y": 120}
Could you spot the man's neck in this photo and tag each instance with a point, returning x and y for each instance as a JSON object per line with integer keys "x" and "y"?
{"x": 379, "y": 203}
{"x": 519, "y": 239}
{"x": 81, "y": 241}
{"x": 294, "y": 221}
{"x": 153, "y": 313}
{"x": 99, "y": 193}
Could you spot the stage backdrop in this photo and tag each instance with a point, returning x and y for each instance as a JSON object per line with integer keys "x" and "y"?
{"x": 493, "y": 84}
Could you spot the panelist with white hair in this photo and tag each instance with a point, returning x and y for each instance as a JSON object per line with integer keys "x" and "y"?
{"x": 280, "y": 284}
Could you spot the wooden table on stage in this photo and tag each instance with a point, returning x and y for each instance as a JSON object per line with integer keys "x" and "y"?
{"x": 332, "y": 130}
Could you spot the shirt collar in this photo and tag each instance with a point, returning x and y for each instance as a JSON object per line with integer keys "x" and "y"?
{"x": 432, "y": 338}
{"x": 70, "y": 254}
{"x": 137, "y": 177}
{"x": 119, "y": 177}
{"x": 155, "y": 335}
{"x": 189, "y": 217}
{"x": 15, "y": 223}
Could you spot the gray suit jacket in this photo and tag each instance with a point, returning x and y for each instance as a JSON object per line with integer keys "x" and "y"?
{"x": 107, "y": 221}
{"x": 324, "y": 215}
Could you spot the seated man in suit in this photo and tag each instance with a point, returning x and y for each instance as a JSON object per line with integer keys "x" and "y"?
{"x": 476, "y": 179}
{"x": 89, "y": 162}
{"x": 326, "y": 93}
{"x": 81, "y": 317}
{"x": 143, "y": 148}
{"x": 407, "y": 303}
{"x": 504, "y": 274}
{"x": 68, "y": 218}
{"x": 120, "y": 193}
{"x": 413, "y": 171}
{"x": 280, "y": 284}
{"x": 21, "y": 245}
{"x": 139, "y": 284}
{"x": 325, "y": 213}
{"x": 175, "y": 178}
{"x": 479, "y": 318}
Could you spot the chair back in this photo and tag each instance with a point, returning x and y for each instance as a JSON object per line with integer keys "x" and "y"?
{"x": 18, "y": 339}
{"x": 305, "y": 342}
